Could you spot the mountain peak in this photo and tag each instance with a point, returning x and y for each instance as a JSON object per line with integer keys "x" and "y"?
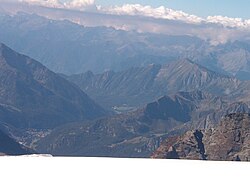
{"x": 185, "y": 61}
{"x": 44, "y": 98}
{"x": 191, "y": 64}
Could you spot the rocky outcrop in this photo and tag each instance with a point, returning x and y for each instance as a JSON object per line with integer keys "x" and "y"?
{"x": 230, "y": 140}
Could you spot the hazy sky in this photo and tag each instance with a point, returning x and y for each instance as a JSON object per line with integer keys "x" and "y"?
{"x": 204, "y": 8}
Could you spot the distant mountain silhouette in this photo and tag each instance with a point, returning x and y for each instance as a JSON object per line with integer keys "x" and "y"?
{"x": 70, "y": 48}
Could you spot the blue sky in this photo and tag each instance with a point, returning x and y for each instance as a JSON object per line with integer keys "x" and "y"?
{"x": 204, "y": 8}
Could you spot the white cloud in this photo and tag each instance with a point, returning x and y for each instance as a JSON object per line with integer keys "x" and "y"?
{"x": 216, "y": 29}
{"x": 73, "y": 4}
{"x": 170, "y": 14}
{"x": 140, "y": 10}
{"x": 80, "y": 4}
{"x": 46, "y": 3}
{"x": 160, "y": 12}
{"x": 230, "y": 22}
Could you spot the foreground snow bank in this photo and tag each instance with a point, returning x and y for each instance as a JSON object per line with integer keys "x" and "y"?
{"x": 37, "y": 155}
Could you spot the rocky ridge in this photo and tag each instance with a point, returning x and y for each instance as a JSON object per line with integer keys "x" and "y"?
{"x": 227, "y": 141}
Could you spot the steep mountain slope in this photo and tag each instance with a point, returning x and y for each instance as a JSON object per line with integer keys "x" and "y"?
{"x": 137, "y": 86}
{"x": 11, "y": 115}
{"x": 229, "y": 141}
{"x": 9, "y": 146}
{"x": 139, "y": 133}
{"x": 32, "y": 96}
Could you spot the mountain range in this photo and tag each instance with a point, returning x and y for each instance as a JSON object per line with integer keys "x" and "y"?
{"x": 139, "y": 85}
{"x": 37, "y": 97}
{"x": 33, "y": 97}
{"x": 69, "y": 48}
{"x": 52, "y": 115}
{"x": 72, "y": 90}
{"x": 139, "y": 133}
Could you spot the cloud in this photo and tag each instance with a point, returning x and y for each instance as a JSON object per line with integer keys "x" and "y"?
{"x": 46, "y": 3}
{"x": 229, "y": 22}
{"x": 148, "y": 11}
{"x": 170, "y": 14}
{"x": 73, "y": 4}
{"x": 140, "y": 10}
{"x": 80, "y": 4}
{"x": 135, "y": 17}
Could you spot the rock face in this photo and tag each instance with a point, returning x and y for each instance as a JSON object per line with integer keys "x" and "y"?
{"x": 229, "y": 141}
{"x": 31, "y": 96}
